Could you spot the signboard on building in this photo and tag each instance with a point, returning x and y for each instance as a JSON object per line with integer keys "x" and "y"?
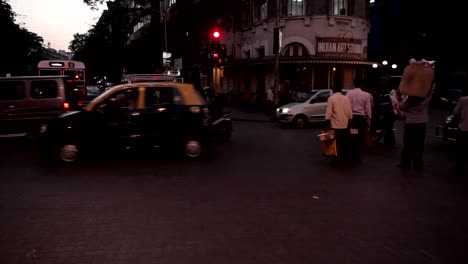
{"x": 178, "y": 64}
{"x": 167, "y": 59}
{"x": 339, "y": 47}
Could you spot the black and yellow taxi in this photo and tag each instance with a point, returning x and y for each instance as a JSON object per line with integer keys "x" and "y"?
{"x": 147, "y": 115}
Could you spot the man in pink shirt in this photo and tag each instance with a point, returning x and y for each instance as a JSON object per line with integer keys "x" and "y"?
{"x": 361, "y": 105}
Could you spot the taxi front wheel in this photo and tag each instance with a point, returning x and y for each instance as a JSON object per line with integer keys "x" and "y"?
{"x": 69, "y": 153}
{"x": 193, "y": 148}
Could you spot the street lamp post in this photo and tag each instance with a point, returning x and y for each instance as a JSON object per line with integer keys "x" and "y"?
{"x": 385, "y": 66}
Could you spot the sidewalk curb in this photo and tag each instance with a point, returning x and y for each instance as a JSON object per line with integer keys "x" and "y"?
{"x": 250, "y": 120}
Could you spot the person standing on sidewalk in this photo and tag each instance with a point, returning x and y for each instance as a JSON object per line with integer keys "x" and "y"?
{"x": 338, "y": 116}
{"x": 361, "y": 104}
{"x": 461, "y": 113}
{"x": 270, "y": 104}
{"x": 417, "y": 116}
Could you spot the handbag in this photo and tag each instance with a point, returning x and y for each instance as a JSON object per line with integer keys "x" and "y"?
{"x": 328, "y": 141}
{"x": 367, "y": 139}
{"x": 329, "y": 148}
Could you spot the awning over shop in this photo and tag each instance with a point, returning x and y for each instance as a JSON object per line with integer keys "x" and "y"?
{"x": 300, "y": 60}
{"x": 352, "y": 62}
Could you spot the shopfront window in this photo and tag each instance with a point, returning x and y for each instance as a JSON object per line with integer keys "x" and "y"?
{"x": 296, "y": 7}
{"x": 261, "y": 52}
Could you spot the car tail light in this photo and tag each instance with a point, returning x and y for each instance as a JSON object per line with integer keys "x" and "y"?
{"x": 80, "y": 103}
{"x": 66, "y": 106}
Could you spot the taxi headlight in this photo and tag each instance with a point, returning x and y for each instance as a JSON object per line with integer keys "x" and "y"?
{"x": 286, "y": 110}
{"x": 43, "y": 129}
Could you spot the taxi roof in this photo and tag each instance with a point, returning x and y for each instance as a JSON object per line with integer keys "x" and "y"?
{"x": 186, "y": 90}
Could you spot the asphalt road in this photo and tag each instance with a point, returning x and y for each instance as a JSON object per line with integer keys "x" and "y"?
{"x": 269, "y": 196}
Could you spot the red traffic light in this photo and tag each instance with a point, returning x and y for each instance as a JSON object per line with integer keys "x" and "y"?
{"x": 216, "y": 34}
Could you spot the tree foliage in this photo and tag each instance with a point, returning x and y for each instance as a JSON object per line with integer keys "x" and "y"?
{"x": 93, "y": 3}
{"x": 97, "y": 50}
{"x": 20, "y": 49}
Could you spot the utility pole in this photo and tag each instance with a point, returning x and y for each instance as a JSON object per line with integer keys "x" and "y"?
{"x": 165, "y": 31}
{"x": 276, "y": 45}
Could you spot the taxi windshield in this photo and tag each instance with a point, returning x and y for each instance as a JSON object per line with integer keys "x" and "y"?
{"x": 103, "y": 95}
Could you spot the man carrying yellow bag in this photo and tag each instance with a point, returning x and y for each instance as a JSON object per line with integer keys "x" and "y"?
{"x": 338, "y": 114}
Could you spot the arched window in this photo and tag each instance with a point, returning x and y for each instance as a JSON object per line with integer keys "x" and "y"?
{"x": 295, "y": 50}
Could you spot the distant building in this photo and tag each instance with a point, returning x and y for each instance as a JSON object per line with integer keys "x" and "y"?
{"x": 324, "y": 43}
{"x": 52, "y": 54}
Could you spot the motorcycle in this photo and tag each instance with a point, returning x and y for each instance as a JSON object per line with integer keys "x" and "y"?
{"x": 221, "y": 121}
{"x": 222, "y": 127}
{"x": 449, "y": 130}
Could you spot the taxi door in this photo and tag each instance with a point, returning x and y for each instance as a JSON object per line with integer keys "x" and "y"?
{"x": 156, "y": 115}
{"x": 117, "y": 120}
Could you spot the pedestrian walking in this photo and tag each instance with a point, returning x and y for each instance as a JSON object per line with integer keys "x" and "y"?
{"x": 417, "y": 116}
{"x": 386, "y": 111}
{"x": 361, "y": 104}
{"x": 338, "y": 116}
{"x": 461, "y": 114}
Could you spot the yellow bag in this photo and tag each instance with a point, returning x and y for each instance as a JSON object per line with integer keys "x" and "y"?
{"x": 329, "y": 146}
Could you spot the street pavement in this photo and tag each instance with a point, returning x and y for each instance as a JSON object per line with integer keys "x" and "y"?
{"x": 268, "y": 196}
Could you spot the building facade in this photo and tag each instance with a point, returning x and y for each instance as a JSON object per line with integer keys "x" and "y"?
{"x": 324, "y": 43}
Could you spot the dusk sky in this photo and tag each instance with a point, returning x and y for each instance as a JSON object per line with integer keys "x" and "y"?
{"x": 55, "y": 20}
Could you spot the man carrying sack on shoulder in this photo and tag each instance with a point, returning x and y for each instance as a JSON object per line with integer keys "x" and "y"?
{"x": 417, "y": 84}
{"x": 338, "y": 115}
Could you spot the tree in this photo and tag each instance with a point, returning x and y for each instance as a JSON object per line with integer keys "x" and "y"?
{"x": 77, "y": 45}
{"x": 23, "y": 49}
{"x": 93, "y": 3}
{"x": 96, "y": 49}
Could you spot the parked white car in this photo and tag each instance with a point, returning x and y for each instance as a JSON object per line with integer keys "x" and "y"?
{"x": 301, "y": 113}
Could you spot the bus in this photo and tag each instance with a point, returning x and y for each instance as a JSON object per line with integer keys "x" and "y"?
{"x": 73, "y": 69}
{"x": 75, "y": 77}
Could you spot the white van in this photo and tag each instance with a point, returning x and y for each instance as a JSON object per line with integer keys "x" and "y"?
{"x": 301, "y": 113}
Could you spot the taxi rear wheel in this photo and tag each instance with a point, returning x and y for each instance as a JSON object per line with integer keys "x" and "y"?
{"x": 193, "y": 148}
{"x": 68, "y": 153}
